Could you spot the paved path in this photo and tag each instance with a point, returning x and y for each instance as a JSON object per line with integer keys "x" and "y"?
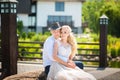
{"x": 99, "y": 73}
{"x": 102, "y": 73}
{"x": 27, "y": 67}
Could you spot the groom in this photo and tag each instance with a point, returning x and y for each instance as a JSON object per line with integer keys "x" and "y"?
{"x": 48, "y": 47}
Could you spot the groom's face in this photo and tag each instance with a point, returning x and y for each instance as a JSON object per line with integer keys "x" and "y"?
{"x": 56, "y": 33}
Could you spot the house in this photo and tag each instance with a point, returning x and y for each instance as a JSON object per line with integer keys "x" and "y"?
{"x": 38, "y": 15}
{"x": 23, "y": 12}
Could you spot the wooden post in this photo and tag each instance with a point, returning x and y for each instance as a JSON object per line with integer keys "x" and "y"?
{"x": 103, "y": 41}
{"x": 9, "y": 37}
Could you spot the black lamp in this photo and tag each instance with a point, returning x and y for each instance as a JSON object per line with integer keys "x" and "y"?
{"x": 8, "y": 6}
{"x": 104, "y": 19}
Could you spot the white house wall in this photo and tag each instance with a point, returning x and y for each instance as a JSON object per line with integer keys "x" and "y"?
{"x": 24, "y": 18}
{"x": 48, "y": 8}
{"x": 74, "y": 9}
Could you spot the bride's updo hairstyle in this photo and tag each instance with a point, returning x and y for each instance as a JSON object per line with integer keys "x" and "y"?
{"x": 71, "y": 40}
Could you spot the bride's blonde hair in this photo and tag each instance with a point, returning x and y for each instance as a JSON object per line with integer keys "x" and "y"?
{"x": 71, "y": 40}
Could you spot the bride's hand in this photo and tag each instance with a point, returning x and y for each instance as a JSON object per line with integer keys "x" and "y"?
{"x": 71, "y": 64}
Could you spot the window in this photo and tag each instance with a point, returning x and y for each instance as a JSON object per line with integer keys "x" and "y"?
{"x": 63, "y": 20}
{"x": 59, "y": 6}
{"x": 32, "y": 24}
{"x": 33, "y": 9}
{"x": 32, "y": 17}
{"x": 60, "y": 18}
{"x": 31, "y": 29}
{"x": 32, "y": 20}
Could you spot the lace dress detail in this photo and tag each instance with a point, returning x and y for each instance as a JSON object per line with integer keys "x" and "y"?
{"x": 61, "y": 72}
{"x": 64, "y": 51}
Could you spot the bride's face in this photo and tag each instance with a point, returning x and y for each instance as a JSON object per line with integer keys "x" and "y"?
{"x": 64, "y": 32}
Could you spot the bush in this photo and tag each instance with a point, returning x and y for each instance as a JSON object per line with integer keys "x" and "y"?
{"x": 24, "y": 35}
{"x": 113, "y": 53}
{"x": 19, "y": 27}
{"x": 118, "y": 51}
{"x": 39, "y": 37}
{"x": 95, "y": 37}
{"x": 31, "y": 34}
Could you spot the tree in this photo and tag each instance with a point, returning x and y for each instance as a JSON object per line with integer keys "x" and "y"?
{"x": 93, "y": 9}
{"x": 112, "y": 10}
{"x": 91, "y": 13}
{"x": 19, "y": 27}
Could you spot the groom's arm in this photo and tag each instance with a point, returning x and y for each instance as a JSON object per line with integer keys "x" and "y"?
{"x": 48, "y": 49}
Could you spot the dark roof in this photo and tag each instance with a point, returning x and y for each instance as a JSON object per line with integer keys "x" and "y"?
{"x": 23, "y": 6}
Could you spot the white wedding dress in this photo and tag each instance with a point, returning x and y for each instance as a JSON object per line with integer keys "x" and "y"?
{"x": 61, "y": 72}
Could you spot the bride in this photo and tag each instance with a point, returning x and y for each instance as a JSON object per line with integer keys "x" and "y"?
{"x": 63, "y": 68}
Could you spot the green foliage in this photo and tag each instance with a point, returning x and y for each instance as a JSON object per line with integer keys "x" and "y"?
{"x": 113, "y": 46}
{"x": 95, "y": 37}
{"x": 113, "y": 12}
{"x": 19, "y": 27}
{"x": 88, "y": 38}
{"x": 47, "y": 33}
{"x": 91, "y": 13}
{"x": 23, "y": 35}
{"x": 113, "y": 53}
{"x": 93, "y": 9}
{"x": 114, "y": 64}
{"x": 39, "y": 37}
{"x": 118, "y": 51}
{"x": 31, "y": 34}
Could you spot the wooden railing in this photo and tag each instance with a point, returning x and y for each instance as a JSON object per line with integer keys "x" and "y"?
{"x": 87, "y": 57}
{"x": 29, "y": 50}
{"x": 24, "y": 52}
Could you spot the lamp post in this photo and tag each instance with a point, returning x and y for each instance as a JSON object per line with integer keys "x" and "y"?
{"x": 103, "y": 41}
{"x": 9, "y": 37}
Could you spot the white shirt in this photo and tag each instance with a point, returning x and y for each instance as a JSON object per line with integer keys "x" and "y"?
{"x": 48, "y": 51}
